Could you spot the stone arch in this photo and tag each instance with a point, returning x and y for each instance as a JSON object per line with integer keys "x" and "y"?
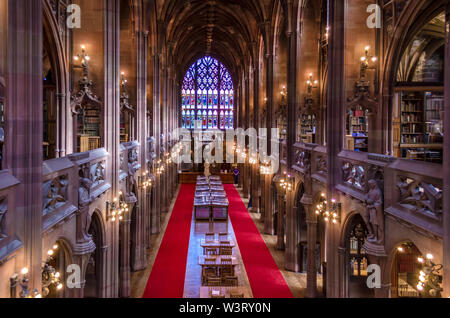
{"x": 414, "y": 16}
{"x": 61, "y": 259}
{"x": 95, "y": 267}
{"x": 57, "y": 92}
{"x": 353, "y": 285}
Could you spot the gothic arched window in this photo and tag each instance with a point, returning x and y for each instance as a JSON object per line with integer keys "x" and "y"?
{"x": 208, "y": 92}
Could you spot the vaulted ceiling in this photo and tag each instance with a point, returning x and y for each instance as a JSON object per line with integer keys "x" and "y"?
{"x": 224, "y": 29}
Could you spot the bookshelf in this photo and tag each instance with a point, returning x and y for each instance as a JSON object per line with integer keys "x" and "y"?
{"x": 307, "y": 128}
{"x": 89, "y": 122}
{"x": 357, "y": 130}
{"x": 421, "y": 126}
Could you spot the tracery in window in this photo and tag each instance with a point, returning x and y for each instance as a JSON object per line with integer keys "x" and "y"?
{"x": 207, "y": 96}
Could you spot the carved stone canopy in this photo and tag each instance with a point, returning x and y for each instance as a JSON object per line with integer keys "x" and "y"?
{"x": 84, "y": 96}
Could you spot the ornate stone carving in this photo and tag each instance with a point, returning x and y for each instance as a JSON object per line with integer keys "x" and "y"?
{"x": 303, "y": 159}
{"x": 354, "y": 175}
{"x": 55, "y": 194}
{"x": 322, "y": 165}
{"x": 3, "y": 215}
{"x": 374, "y": 213}
{"x": 97, "y": 174}
{"x": 420, "y": 196}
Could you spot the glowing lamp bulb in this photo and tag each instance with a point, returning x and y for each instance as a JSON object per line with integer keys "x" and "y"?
{"x": 82, "y": 46}
{"x": 55, "y": 247}
{"x": 430, "y": 256}
{"x": 400, "y": 249}
{"x": 367, "y": 48}
{"x": 420, "y": 287}
{"x": 420, "y": 259}
{"x": 50, "y": 253}
{"x": 59, "y": 287}
{"x": 57, "y": 275}
{"x": 24, "y": 271}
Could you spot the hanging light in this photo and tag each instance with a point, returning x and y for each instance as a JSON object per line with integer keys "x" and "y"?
{"x": 329, "y": 212}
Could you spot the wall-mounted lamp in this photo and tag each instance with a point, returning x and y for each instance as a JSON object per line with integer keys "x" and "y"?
{"x": 311, "y": 83}
{"x": 145, "y": 181}
{"x": 50, "y": 277}
{"x": 22, "y": 281}
{"x": 116, "y": 210}
{"x": 84, "y": 59}
{"x": 287, "y": 182}
{"x": 329, "y": 212}
{"x": 365, "y": 62}
{"x": 168, "y": 158}
{"x": 265, "y": 168}
{"x": 159, "y": 167}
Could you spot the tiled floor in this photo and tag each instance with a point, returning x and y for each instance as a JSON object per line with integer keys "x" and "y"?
{"x": 295, "y": 281}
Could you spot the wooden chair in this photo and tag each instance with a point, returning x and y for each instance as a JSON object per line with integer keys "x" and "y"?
{"x": 213, "y": 282}
{"x": 227, "y": 251}
{"x": 236, "y": 295}
{"x": 230, "y": 281}
{"x": 209, "y": 237}
{"x": 210, "y": 261}
{"x": 227, "y": 267}
{"x": 223, "y": 236}
{"x": 211, "y": 251}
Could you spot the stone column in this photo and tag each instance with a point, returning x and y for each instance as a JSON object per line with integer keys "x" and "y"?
{"x": 23, "y": 144}
{"x": 291, "y": 257}
{"x": 311, "y": 222}
{"x": 280, "y": 226}
{"x": 138, "y": 261}
{"x": 255, "y": 121}
{"x": 156, "y": 199}
{"x": 245, "y": 174}
{"x": 335, "y": 132}
{"x": 112, "y": 132}
{"x": 124, "y": 254}
{"x": 269, "y": 226}
{"x": 446, "y": 214}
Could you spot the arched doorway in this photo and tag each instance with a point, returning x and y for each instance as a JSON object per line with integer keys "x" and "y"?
{"x": 54, "y": 273}
{"x": 356, "y": 260}
{"x": 405, "y": 271}
{"x": 94, "y": 268}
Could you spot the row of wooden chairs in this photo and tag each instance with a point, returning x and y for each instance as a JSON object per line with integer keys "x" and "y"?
{"x": 214, "y": 251}
{"x": 229, "y": 281}
{"x": 210, "y": 237}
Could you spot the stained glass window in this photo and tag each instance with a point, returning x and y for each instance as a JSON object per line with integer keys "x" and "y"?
{"x": 207, "y": 96}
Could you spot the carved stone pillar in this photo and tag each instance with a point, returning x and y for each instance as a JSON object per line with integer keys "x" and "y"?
{"x": 446, "y": 212}
{"x": 381, "y": 260}
{"x": 280, "y": 222}
{"x": 111, "y": 131}
{"x": 254, "y": 124}
{"x": 245, "y": 175}
{"x": 23, "y": 140}
{"x": 139, "y": 230}
{"x": 335, "y": 132}
{"x": 269, "y": 224}
{"x": 311, "y": 222}
{"x": 156, "y": 196}
{"x": 291, "y": 257}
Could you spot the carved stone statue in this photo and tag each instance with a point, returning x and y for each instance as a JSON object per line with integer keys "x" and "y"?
{"x": 374, "y": 213}
{"x": 84, "y": 199}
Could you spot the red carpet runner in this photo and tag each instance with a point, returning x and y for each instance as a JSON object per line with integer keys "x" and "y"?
{"x": 168, "y": 272}
{"x": 265, "y": 278}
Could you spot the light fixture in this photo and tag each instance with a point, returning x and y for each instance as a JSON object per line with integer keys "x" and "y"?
{"x": 311, "y": 83}
{"x": 329, "y": 212}
{"x": 287, "y": 182}
{"x": 265, "y": 168}
{"x": 365, "y": 62}
{"x": 23, "y": 282}
{"x": 145, "y": 181}
{"x": 83, "y": 56}
{"x": 50, "y": 277}
{"x": 117, "y": 209}
{"x": 430, "y": 277}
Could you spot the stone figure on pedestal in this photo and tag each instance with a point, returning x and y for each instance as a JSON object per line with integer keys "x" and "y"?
{"x": 374, "y": 213}
{"x": 84, "y": 199}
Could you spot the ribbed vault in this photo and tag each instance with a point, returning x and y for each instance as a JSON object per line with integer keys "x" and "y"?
{"x": 224, "y": 29}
